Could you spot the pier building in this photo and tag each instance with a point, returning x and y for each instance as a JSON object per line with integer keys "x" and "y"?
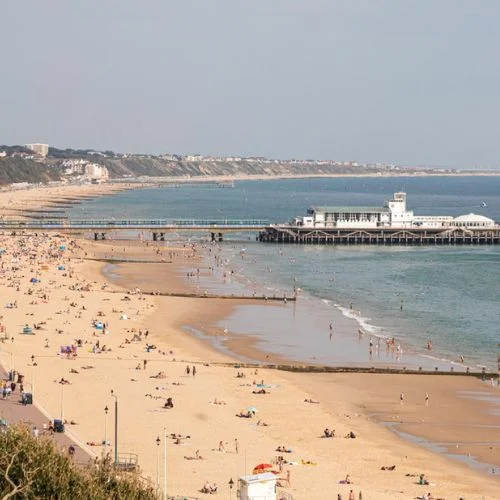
{"x": 392, "y": 223}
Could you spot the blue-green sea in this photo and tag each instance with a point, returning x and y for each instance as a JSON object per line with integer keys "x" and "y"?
{"x": 449, "y": 295}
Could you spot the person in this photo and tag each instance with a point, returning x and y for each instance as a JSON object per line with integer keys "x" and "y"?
{"x": 236, "y": 445}
{"x": 169, "y": 403}
{"x": 426, "y": 399}
{"x": 71, "y": 450}
{"x": 422, "y": 479}
{"x": 188, "y": 370}
{"x": 351, "y": 495}
{"x": 221, "y": 447}
{"x": 402, "y": 398}
{"x": 194, "y": 370}
{"x": 348, "y": 479}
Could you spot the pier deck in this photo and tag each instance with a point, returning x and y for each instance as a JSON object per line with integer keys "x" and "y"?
{"x": 381, "y": 236}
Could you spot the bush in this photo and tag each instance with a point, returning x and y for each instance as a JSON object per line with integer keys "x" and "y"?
{"x": 33, "y": 468}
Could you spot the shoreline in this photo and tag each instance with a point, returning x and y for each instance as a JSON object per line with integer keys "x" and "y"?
{"x": 246, "y": 349}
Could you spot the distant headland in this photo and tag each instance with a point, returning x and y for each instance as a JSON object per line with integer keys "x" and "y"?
{"x": 40, "y": 163}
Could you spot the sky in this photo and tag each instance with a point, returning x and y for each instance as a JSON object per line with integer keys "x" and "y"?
{"x": 411, "y": 82}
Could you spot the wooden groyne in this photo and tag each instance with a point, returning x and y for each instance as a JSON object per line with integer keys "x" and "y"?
{"x": 483, "y": 375}
{"x": 193, "y": 295}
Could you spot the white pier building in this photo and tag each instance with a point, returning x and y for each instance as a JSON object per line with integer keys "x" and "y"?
{"x": 394, "y": 214}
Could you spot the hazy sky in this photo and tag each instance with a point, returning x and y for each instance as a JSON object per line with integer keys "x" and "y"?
{"x": 405, "y": 81}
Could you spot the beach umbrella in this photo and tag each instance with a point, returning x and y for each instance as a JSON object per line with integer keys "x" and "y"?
{"x": 252, "y": 409}
{"x": 262, "y": 468}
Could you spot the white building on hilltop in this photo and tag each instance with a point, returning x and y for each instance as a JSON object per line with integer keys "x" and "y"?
{"x": 39, "y": 149}
{"x": 393, "y": 214}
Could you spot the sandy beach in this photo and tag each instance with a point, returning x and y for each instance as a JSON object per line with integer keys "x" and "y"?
{"x": 137, "y": 346}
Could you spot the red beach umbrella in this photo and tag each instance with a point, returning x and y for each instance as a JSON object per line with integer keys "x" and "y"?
{"x": 262, "y": 468}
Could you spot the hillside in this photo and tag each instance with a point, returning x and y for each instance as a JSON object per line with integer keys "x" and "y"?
{"x": 157, "y": 167}
{"x": 16, "y": 169}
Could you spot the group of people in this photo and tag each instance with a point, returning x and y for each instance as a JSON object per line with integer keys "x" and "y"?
{"x": 209, "y": 488}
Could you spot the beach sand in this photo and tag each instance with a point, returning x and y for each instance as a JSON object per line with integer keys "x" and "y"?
{"x": 79, "y": 294}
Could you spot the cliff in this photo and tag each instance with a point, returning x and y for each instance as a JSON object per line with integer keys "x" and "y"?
{"x": 15, "y": 169}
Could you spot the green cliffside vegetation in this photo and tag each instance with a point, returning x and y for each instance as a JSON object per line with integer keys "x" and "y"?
{"x": 17, "y": 169}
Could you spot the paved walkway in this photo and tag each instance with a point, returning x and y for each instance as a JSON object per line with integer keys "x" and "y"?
{"x": 13, "y": 411}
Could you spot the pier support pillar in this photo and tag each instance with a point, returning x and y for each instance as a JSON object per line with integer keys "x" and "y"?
{"x": 162, "y": 236}
{"x": 155, "y": 236}
{"x": 220, "y": 237}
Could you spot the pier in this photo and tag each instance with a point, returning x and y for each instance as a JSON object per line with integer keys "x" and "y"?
{"x": 157, "y": 227}
{"x": 281, "y": 233}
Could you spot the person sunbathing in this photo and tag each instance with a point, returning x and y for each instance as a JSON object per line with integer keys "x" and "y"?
{"x": 260, "y": 391}
{"x": 243, "y": 414}
{"x": 388, "y": 467}
{"x": 311, "y": 401}
{"x": 329, "y": 433}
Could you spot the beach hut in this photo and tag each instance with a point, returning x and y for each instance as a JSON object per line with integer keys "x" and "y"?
{"x": 257, "y": 486}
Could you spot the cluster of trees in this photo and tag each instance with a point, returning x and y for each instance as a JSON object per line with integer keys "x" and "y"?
{"x": 33, "y": 468}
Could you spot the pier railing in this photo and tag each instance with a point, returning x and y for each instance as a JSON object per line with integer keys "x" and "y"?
{"x": 65, "y": 224}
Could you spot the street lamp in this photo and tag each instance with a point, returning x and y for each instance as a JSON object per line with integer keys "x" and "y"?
{"x": 231, "y": 484}
{"x": 33, "y": 364}
{"x": 164, "y": 463}
{"x": 11, "y": 361}
{"x": 116, "y": 425}
{"x": 62, "y": 401}
{"x": 158, "y": 441}
{"x": 106, "y": 409}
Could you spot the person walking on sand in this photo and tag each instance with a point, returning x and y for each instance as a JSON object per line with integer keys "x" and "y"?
{"x": 188, "y": 370}
{"x": 426, "y": 399}
{"x": 402, "y": 398}
{"x": 221, "y": 447}
{"x": 194, "y": 370}
{"x": 236, "y": 447}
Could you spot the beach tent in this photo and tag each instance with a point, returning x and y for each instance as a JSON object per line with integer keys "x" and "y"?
{"x": 61, "y": 268}
{"x": 62, "y": 248}
{"x": 123, "y": 316}
{"x": 99, "y": 325}
{"x": 34, "y": 280}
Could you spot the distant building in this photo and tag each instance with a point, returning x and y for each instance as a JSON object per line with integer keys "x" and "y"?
{"x": 39, "y": 149}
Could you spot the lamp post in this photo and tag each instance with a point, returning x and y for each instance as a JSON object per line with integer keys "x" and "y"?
{"x": 164, "y": 463}
{"x": 11, "y": 361}
{"x": 33, "y": 364}
{"x": 158, "y": 441}
{"x": 106, "y": 409}
{"x": 231, "y": 484}
{"x": 62, "y": 401}
{"x": 116, "y": 425}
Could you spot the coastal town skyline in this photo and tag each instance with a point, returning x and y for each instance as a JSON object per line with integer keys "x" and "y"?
{"x": 409, "y": 84}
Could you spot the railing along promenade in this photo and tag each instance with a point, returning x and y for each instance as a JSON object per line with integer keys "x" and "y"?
{"x": 157, "y": 226}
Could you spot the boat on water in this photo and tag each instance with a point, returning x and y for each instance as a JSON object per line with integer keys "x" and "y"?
{"x": 225, "y": 185}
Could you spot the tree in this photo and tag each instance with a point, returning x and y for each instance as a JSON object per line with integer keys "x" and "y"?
{"x": 34, "y": 468}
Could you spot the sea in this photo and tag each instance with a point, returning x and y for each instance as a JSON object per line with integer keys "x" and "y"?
{"x": 351, "y": 299}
